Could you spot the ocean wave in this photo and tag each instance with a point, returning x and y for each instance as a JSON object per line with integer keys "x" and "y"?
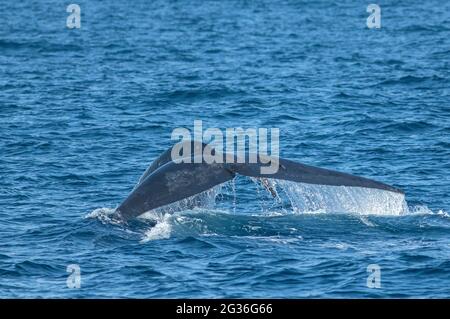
{"x": 40, "y": 46}
{"x": 411, "y": 80}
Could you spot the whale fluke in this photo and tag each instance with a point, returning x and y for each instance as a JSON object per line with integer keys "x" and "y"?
{"x": 166, "y": 182}
{"x": 173, "y": 182}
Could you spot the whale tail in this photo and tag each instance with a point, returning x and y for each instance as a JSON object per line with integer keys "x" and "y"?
{"x": 166, "y": 182}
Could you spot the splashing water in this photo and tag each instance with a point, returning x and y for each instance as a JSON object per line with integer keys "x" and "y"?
{"x": 206, "y": 199}
{"x": 283, "y": 197}
{"x": 104, "y": 215}
{"x": 162, "y": 228}
{"x": 343, "y": 199}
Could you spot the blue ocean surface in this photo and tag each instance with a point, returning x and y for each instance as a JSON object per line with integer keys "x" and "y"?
{"x": 83, "y": 112}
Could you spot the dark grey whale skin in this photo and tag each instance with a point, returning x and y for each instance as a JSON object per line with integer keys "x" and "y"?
{"x": 166, "y": 182}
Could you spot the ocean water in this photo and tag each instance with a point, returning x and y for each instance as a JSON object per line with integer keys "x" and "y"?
{"x": 83, "y": 112}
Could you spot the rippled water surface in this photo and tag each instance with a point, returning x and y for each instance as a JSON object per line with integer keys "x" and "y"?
{"x": 83, "y": 112}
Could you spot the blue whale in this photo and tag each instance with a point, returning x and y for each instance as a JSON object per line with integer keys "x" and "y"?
{"x": 165, "y": 181}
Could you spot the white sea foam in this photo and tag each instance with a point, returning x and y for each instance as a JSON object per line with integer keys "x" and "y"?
{"x": 166, "y": 215}
{"x": 102, "y": 211}
{"x": 105, "y": 215}
{"x": 162, "y": 229}
{"x": 424, "y": 210}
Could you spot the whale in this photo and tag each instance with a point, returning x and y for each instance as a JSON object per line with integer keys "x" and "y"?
{"x": 167, "y": 181}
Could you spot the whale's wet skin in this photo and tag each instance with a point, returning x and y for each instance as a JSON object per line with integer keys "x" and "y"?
{"x": 169, "y": 180}
{"x": 84, "y": 112}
